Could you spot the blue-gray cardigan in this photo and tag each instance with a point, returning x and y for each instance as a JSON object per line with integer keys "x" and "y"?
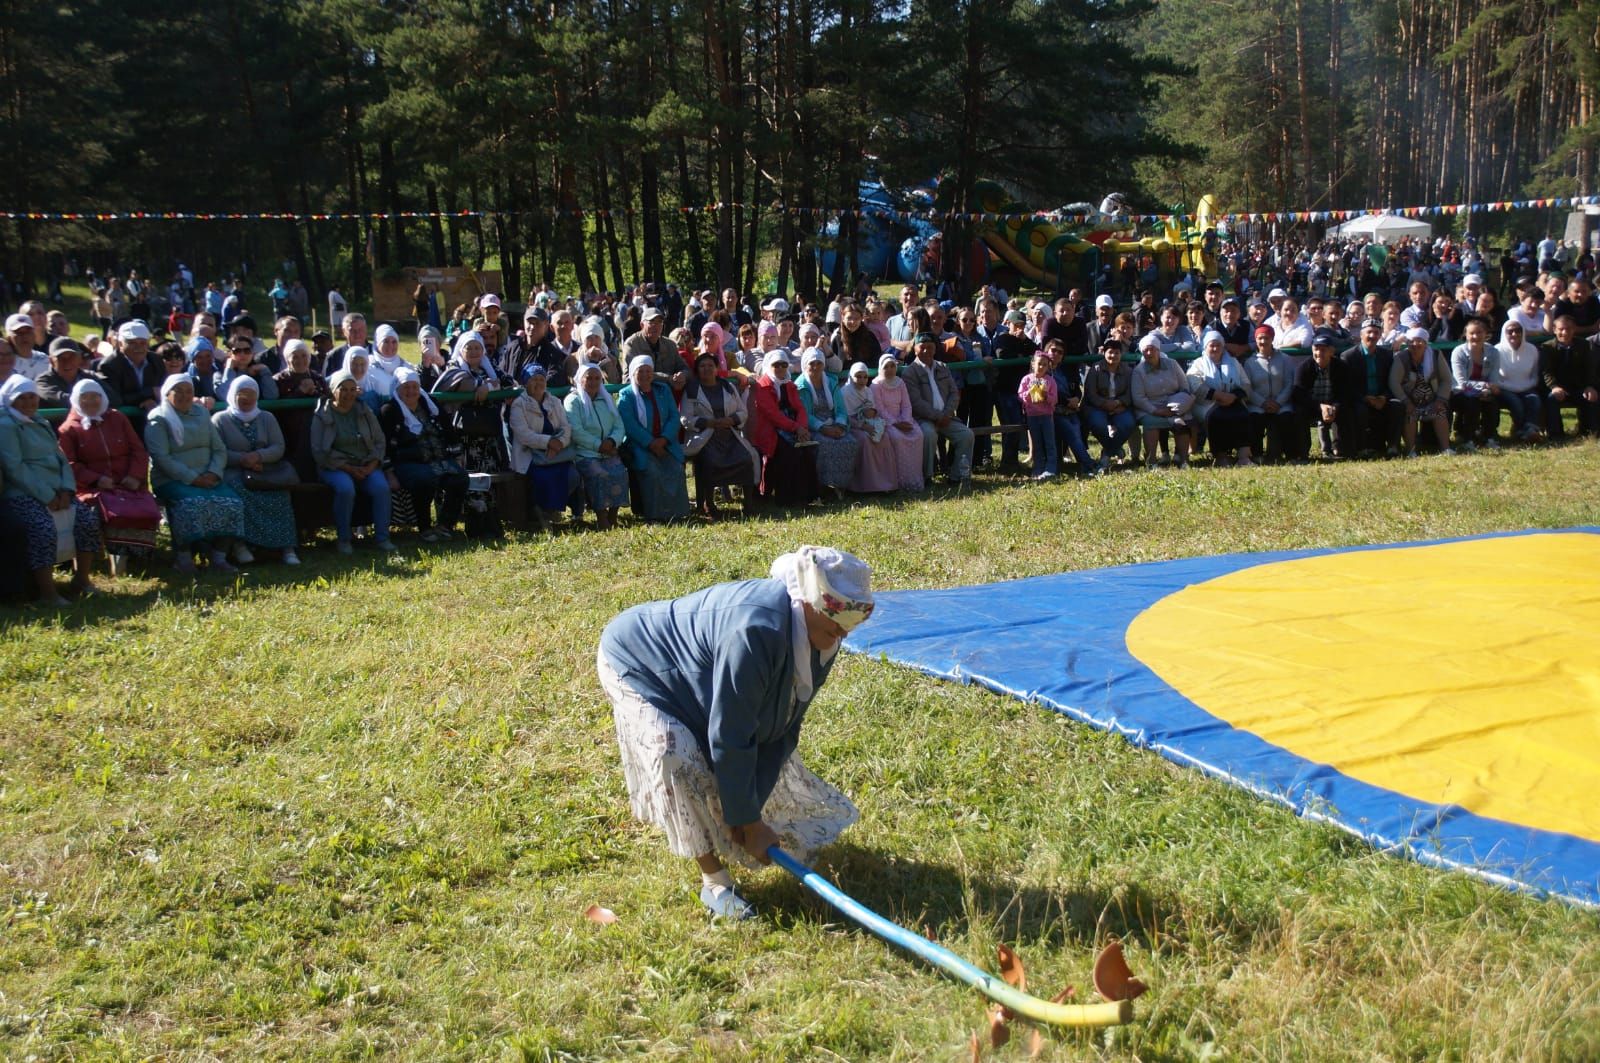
{"x": 721, "y": 662}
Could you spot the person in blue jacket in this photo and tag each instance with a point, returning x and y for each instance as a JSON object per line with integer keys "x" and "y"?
{"x": 653, "y": 454}
{"x": 708, "y": 692}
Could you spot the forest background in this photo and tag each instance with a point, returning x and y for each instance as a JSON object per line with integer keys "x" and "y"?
{"x": 598, "y": 141}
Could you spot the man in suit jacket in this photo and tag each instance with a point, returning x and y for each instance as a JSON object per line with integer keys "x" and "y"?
{"x": 934, "y": 397}
{"x": 1369, "y": 415}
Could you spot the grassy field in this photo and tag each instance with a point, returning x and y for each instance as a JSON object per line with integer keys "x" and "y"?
{"x": 359, "y": 809}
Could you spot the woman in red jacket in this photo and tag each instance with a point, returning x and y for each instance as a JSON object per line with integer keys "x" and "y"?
{"x": 778, "y": 430}
{"x": 110, "y": 466}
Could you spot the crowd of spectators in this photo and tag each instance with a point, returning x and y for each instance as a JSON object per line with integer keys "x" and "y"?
{"x": 603, "y": 402}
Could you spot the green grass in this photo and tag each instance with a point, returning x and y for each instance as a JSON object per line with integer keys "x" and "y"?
{"x": 359, "y": 809}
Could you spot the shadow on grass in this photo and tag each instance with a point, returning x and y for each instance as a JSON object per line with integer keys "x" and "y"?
{"x": 926, "y": 897}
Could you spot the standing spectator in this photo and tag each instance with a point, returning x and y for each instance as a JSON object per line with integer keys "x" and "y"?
{"x": 337, "y": 309}
{"x": 1037, "y": 393}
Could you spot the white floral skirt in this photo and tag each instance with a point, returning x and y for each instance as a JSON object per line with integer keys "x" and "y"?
{"x": 670, "y": 785}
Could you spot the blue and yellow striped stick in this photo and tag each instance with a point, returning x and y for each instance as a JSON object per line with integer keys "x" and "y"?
{"x": 1112, "y": 1013}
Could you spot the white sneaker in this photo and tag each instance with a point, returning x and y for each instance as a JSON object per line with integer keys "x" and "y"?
{"x": 242, "y": 554}
{"x": 725, "y": 903}
{"x": 290, "y": 557}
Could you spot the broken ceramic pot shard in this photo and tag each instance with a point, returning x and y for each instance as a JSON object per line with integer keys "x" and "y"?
{"x": 1112, "y": 977}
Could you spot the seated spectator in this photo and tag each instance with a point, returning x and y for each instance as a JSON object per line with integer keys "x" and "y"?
{"x": 348, "y": 446}
{"x": 592, "y": 351}
{"x": 1475, "y": 388}
{"x": 1372, "y": 417}
{"x": 597, "y": 438}
{"x": 376, "y": 386}
{"x": 1069, "y": 403}
{"x": 541, "y": 446}
{"x": 781, "y": 432}
{"x": 199, "y": 364}
{"x": 257, "y": 472}
{"x": 38, "y": 483}
{"x": 1320, "y": 392}
{"x": 131, "y": 378}
{"x": 416, "y": 445}
{"x": 1530, "y": 313}
{"x": 110, "y": 466}
{"x": 1448, "y": 323}
{"x": 934, "y": 399}
{"x": 430, "y": 357}
{"x": 854, "y": 341}
{"x": 893, "y": 402}
{"x": 32, "y": 362}
{"x": 653, "y": 455}
{"x": 477, "y": 420}
{"x": 1161, "y": 399}
{"x": 187, "y": 460}
{"x": 1271, "y": 402}
{"x": 1108, "y": 402}
{"x": 240, "y": 363}
{"x": 649, "y": 341}
{"x": 877, "y": 470}
{"x": 715, "y": 417}
{"x": 1569, "y": 371}
{"x": 837, "y": 449}
{"x": 1519, "y": 383}
{"x": 712, "y": 342}
{"x": 1222, "y": 400}
{"x": 1420, "y": 379}
{"x": 67, "y": 368}
{"x": 386, "y": 360}
{"x": 1037, "y": 393}
{"x": 1290, "y": 327}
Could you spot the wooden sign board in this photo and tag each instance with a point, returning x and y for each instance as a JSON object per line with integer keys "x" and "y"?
{"x": 391, "y": 296}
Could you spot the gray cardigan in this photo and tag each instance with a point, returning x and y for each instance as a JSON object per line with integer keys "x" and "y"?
{"x": 269, "y": 435}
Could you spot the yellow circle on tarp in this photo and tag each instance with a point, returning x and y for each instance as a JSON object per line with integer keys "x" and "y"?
{"x": 1462, "y": 673}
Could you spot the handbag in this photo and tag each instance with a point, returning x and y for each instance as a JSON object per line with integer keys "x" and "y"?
{"x": 279, "y": 476}
{"x": 66, "y": 542}
{"x": 128, "y": 509}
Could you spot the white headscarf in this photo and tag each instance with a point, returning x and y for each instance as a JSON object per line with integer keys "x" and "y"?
{"x": 288, "y": 353}
{"x": 246, "y": 383}
{"x": 583, "y": 395}
{"x": 385, "y": 362}
{"x": 835, "y": 584}
{"x": 774, "y": 357}
{"x": 17, "y": 384}
{"x": 642, "y": 397}
{"x": 83, "y": 387}
{"x": 405, "y": 374}
{"x": 169, "y": 412}
{"x": 350, "y": 357}
{"x": 889, "y": 383}
{"x": 458, "y": 355}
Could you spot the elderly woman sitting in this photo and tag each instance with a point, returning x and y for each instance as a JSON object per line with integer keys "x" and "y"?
{"x": 257, "y": 472}
{"x": 782, "y": 433}
{"x": 1420, "y": 378}
{"x": 597, "y": 437}
{"x": 417, "y": 450}
{"x": 111, "y": 466}
{"x": 541, "y": 446}
{"x": 653, "y": 454}
{"x": 877, "y": 470}
{"x": 1162, "y": 399}
{"x": 1222, "y": 397}
{"x": 837, "y": 450}
{"x": 714, "y": 415}
{"x": 187, "y": 460}
{"x": 347, "y": 444}
{"x": 478, "y": 419}
{"x": 893, "y": 402}
{"x": 37, "y": 484}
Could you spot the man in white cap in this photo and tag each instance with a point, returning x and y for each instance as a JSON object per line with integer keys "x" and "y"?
{"x": 22, "y": 334}
{"x": 708, "y": 693}
{"x": 131, "y": 377}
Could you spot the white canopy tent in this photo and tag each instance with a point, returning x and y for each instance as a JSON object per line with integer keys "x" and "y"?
{"x": 1383, "y": 229}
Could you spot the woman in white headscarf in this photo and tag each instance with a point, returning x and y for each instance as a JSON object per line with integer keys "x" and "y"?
{"x": 376, "y": 385}
{"x": 653, "y": 453}
{"x": 877, "y": 471}
{"x": 541, "y": 446}
{"x": 257, "y": 472}
{"x": 479, "y": 419}
{"x": 714, "y": 415}
{"x": 597, "y": 438}
{"x": 894, "y": 405}
{"x": 417, "y": 459}
{"x": 187, "y": 460}
{"x": 386, "y": 352}
{"x": 110, "y": 466}
{"x": 348, "y": 446}
{"x": 781, "y": 431}
{"x": 708, "y": 694}
{"x": 592, "y": 351}
{"x": 1221, "y": 395}
{"x": 837, "y": 449}
{"x": 38, "y": 483}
